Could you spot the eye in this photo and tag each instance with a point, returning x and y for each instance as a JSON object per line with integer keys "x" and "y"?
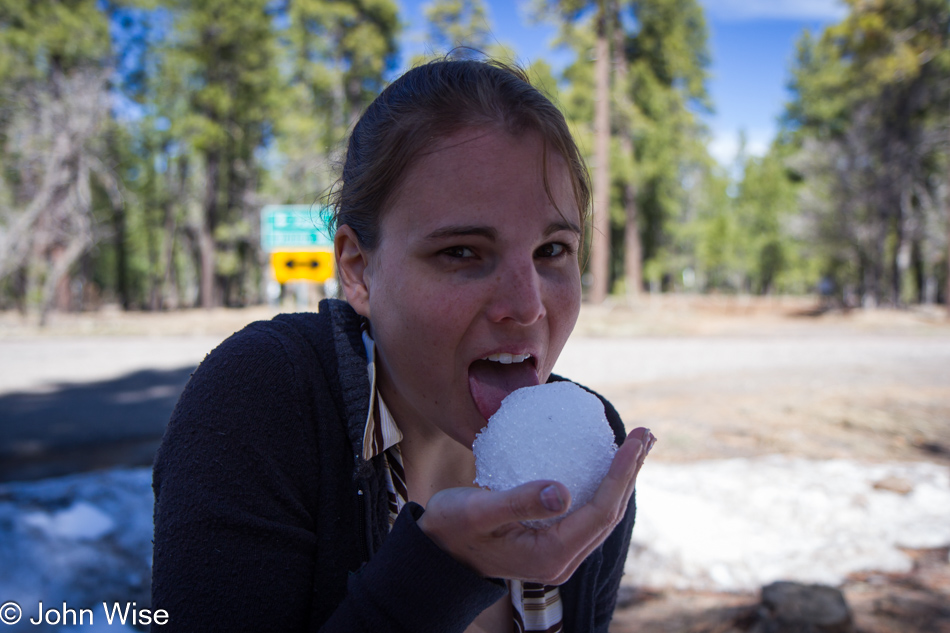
{"x": 458, "y": 252}
{"x": 552, "y": 249}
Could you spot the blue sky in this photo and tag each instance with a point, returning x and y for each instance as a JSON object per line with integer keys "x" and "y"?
{"x": 751, "y": 42}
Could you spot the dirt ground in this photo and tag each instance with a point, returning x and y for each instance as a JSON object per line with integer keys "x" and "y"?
{"x": 874, "y": 411}
{"x": 894, "y": 408}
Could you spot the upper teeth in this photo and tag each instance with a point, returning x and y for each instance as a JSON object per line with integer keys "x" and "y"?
{"x": 507, "y": 359}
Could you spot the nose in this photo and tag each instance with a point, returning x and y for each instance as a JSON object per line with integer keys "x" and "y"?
{"x": 517, "y": 294}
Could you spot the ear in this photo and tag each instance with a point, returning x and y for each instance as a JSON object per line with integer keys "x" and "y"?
{"x": 352, "y": 264}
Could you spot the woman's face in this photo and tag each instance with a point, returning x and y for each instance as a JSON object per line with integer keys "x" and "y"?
{"x": 475, "y": 271}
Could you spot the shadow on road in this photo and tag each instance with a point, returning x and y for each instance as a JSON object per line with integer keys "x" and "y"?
{"x": 76, "y": 427}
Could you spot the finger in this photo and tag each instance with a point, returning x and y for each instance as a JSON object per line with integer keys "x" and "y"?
{"x": 650, "y": 442}
{"x": 582, "y": 555}
{"x": 532, "y": 501}
{"x": 591, "y": 523}
{"x": 584, "y": 530}
{"x": 640, "y": 439}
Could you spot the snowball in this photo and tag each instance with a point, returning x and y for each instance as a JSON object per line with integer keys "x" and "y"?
{"x": 554, "y": 431}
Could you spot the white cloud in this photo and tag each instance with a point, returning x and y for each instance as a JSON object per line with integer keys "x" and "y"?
{"x": 725, "y": 144}
{"x": 739, "y": 10}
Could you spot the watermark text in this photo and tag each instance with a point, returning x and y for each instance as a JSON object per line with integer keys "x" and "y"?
{"x": 112, "y": 613}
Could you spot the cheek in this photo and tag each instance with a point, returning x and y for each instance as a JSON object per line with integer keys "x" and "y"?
{"x": 564, "y": 308}
{"x": 421, "y": 316}
{"x": 565, "y": 295}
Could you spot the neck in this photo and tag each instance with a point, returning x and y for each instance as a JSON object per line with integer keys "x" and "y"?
{"x": 433, "y": 461}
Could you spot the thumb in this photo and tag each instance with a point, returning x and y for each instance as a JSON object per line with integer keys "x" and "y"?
{"x": 534, "y": 500}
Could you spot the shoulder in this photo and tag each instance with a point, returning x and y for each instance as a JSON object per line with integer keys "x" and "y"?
{"x": 616, "y": 424}
{"x": 258, "y": 354}
{"x": 257, "y": 398}
{"x": 274, "y": 365}
{"x": 285, "y": 346}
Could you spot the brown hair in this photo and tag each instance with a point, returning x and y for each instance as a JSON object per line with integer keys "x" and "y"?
{"x": 431, "y": 102}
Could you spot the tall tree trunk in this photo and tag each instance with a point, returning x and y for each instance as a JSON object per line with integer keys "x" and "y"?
{"x": 238, "y": 174}
{"x": 170, "y": 291}
{"x": 78, "y": 225}
{"x": 900, "y": 261}
{"x": 206, "y": 231}
{"x": 946, "y": 295}
{"x": 20, "y": 286}
{"x": 918, "y": 268}
{"x": 121, "y": 256}
{"x": 110, "y": 184}
{"x": 168, "y": 254}
{"x": 633, "y": 255}
{"x": 192, "y": 235}
{"x": 600, "y": 239}
{"x": 632, "y": 251}
{"x": 63, "y": 259}
{"x": 154, "y": 263}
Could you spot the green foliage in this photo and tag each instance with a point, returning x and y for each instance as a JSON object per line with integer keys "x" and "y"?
{"x": 54, "y": 58}
{"x": 37, "y": 38}
{"x": 668, "y": 60}
{"x": 462, "y": 27}
{"x": 232, "y": 104}
{"x": 658, "y": 144}
{"x": 872, "y": 96}
{"x": 454, "y": 23}
{"x": 341, "y": 49}
{"x": 766, "y": 206}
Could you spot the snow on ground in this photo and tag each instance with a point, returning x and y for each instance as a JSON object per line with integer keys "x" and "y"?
{"x": 83, "y": 540}
{"x": 724, "y": 524}
{"x": 742, "y": 523}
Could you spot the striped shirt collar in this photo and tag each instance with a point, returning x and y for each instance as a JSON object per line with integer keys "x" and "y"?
{"x": 381, "y": 431}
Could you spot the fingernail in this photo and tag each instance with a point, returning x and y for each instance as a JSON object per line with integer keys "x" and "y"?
{"x": 551, "y": 499}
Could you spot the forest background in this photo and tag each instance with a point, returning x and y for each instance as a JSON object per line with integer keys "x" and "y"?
{"x": 139, "y": 140}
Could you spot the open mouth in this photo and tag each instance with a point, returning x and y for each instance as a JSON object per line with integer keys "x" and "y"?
{"x": 492, "y": 378}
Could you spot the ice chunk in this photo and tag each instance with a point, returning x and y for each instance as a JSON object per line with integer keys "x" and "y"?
{"x": 553, "y": 431}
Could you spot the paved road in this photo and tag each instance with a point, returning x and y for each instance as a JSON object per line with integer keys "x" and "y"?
{"x": 68, "y": 405}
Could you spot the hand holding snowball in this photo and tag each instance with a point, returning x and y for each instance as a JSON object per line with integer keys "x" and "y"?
{"x": 556, "y": 431}
{"x": 484, "y": 530}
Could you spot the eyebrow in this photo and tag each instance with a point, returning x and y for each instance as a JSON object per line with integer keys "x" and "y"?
{"x": 554, "y": 227}
{"x": 463, "y": 230}
{"x": 466, "y": 230}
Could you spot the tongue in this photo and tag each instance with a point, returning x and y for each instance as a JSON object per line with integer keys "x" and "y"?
{"x": 491, "y": 382}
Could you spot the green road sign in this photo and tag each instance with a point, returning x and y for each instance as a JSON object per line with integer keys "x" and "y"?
{"x": 291, "y": 227}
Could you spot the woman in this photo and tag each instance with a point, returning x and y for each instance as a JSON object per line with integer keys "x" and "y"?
{"x": 317, "y": 471}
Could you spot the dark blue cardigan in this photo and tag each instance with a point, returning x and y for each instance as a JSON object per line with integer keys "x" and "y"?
{"x": 268, "y": 519}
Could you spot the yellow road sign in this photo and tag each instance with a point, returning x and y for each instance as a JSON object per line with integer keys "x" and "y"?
{"x": 302, "y": 266}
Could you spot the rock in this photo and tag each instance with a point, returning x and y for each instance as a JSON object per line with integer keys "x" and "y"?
{"x": 791, "y": 607}
{"x": 897, "y": 485}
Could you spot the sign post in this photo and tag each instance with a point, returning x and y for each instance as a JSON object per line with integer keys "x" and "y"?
{"x": 299, "y": 242}
{"x": 295, "y": 227}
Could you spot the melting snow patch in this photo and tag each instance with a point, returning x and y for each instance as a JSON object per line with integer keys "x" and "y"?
{"x": 739, "y": 524}
{"x": 83, "y": 540}
{"x": 81, "y": 521}
{"x": 727, "y": 525}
